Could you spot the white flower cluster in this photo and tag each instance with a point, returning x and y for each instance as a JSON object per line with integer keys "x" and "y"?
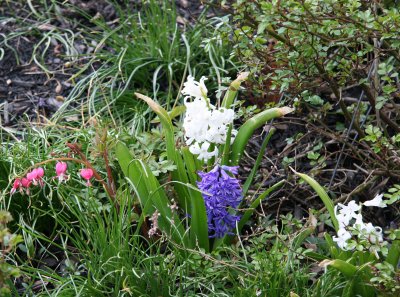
{"x": 351, "y": 223}
{"x": 204, "y": 124}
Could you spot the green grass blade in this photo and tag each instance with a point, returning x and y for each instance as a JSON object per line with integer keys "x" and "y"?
{"x": 248, "y": 128}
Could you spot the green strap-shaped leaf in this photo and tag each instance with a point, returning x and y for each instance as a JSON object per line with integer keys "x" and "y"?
{"x": 180, "y": 173}
{"x": 332, "y": 246}
{"x": 226, "y": 152}
{"x": 357, "y": 277}
{"x": 348, "y": 270}
{"x": 323, "y": 195}
{"x": 191, "y": 165}
{"x": 150, "y": 194}
{"x": 130, "y": 171}
{"x": 198, "y": 221}
{"x": 248, "y": 128}
{"x": 393, "y": 256}
{"x": 176, "y": 111}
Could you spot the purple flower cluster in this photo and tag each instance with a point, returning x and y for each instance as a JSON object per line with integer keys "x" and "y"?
{"x": 221, "y": 193}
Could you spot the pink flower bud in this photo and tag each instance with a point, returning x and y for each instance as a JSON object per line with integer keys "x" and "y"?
{"x": 87, "y": 174}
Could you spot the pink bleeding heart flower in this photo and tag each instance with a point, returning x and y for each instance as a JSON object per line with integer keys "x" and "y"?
{"x": 32, "y": 175}
{"x": 87, "y": 174}
{"x": 40, "y": 172}
{"x": 16, "y": 186}
{"x": 61, "y": 170}
{"x": 36, "y": 175}
{"x": 26, "y": 183}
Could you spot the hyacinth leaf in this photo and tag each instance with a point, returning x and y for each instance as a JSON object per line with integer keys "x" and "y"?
{"x": 355, "y": 285}
{"x": 150, "y": 194}
{"x": 297, "y": 241}
{"x": 233, "y": 89}
{"x": 168, "y": 221}
{"x": 393, "y": 256}
{"x": 304, "y": 234}
{"x": 176, "y": 111}
{"x": 334, "y": 251}
{"x": 316, "y": 256}
{"x": 248, "y": 128}
{"x": 323, "y": 195}
{"x": 125, "y": 160}
{"x": 347, "y": 269}
{"x": 180, "y": 173}
{"x": 198, "y": 222}
{"x": 191, "y": 165}
{"x": 260, "y": 156}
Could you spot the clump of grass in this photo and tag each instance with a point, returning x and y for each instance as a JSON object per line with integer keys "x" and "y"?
{"x": 147, "y": 50}
{"x": 103, "y": 252}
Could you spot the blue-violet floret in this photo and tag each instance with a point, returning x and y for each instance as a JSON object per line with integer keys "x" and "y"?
{"x": 222, "y": 193}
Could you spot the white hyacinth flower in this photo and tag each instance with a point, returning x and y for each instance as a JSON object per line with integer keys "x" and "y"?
{"x": 194, "y": 88}
{"x": 371, "y": 233}
{"x": 202, "y": 151}
{"x": 341, "y": 239}
{"x": 351, "y": 208}
{"x": 346, "y": 213}
{"x": 359, "y": 223}
{"x": 203, "y": 122}
{"x": 377, "y": 201}
{"x": 343, "y": 220}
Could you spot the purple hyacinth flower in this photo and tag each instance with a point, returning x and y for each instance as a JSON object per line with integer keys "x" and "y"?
{"x": 222, "y": 195}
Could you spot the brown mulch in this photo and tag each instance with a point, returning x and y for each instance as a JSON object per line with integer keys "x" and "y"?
{"x": 36, "y": 80}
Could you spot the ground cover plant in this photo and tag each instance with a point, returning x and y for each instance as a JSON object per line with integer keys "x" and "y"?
{"x": 244, "y": 148}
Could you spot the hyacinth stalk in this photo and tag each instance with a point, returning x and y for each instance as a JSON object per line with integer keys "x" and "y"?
{"x": 233, "y": 90}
